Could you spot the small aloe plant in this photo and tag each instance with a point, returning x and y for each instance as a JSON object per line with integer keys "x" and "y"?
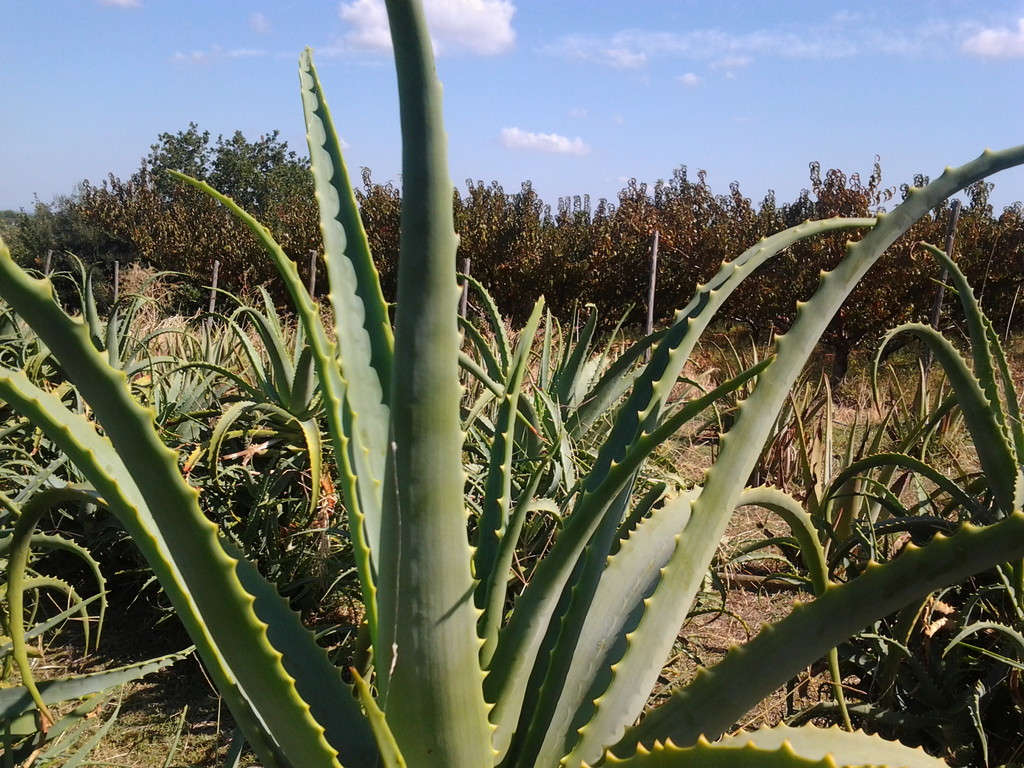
{"x": 454, "y": 679}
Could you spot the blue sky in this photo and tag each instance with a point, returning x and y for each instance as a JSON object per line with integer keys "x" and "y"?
{"x": 575, "y": 96}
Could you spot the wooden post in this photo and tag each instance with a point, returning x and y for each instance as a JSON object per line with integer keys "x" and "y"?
{"x": 652, "y": 280}
{"x": 117, "y": 279}
{"x": 213, "y": 286}
{"x": 649, "y": 327}
{"x": 47, "y": 261}
{"x": 954, "y": 217}
{"x": 213, "y": 293}
{"x": 1009, "y": 319}
{"x": 312, "y": 274}
{"x": 464, "y": 301}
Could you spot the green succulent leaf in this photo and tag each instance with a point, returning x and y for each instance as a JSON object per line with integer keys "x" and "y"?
{"x": 139, "y": 480}
{"x": 356, "y": 375}
{"x": 785, "y": 747}
{"x": 429, "y": 675}
{"x": 16, "y": 701}
{"x": 717, "y": 697}
{"x": 740, "y": 448}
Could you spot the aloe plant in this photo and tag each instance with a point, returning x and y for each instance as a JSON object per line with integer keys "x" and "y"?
{"x": 940, "y": 670}
{"x": 452, "y": 680}
{"x": 31, "y": 727}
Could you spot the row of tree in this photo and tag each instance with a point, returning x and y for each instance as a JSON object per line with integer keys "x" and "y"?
{"x": 520, "y": 247}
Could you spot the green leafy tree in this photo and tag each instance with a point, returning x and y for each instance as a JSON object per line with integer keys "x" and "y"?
{"x": 54, "y": 228}
{"x": 159, "y": 220}
{"x": 380, "y": 206}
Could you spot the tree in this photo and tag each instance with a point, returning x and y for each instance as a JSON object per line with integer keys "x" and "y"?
{"x": 174, "y": 227}
{"x": 53, "y": 228}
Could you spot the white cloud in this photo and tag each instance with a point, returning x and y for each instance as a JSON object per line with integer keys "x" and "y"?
{"x": 258, "y": 22}
{"x": 197, "y": 58}
{"x": 842, "y": 35}
{"x": 370, "y": 21}
{"x": 482, "y": 27}
{"x": 122, "y": 3}
{"x": 999, "y": 43}
{"x": 578, "y": 113}
{"x": 690, "y": 80}
{"x": 623, "y": 58}
{"x": 731, "y": 64}
{"x": 214, "y": 54}
{"x": 516, "y": 138}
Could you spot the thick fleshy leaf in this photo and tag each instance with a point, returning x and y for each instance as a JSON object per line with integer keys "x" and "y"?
{"x": 429, "y": 676}
{"x": 785, "y": 747}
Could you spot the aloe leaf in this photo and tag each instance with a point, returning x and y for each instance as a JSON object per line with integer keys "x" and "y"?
{"x": 740, "y": 448}
{"x": 16, "y": 548}
{"x": 245, "y": 388}
{"x": 80, "y": 755}
{"x": 428, "y": 668}
{"x": 899, "y": 654}
{"x": 138, "y": 477}
{"x": 846, "y": 748}
{"x": 305, "y": 384}
{"x": 981, "y": 415}
{"x": 356, "y": 436}
{"x": 1011, "y": 399}
{"x": 493, "y": 369}
{"x": 54, "y": 541}
{"x": 895, "y": 460}
{"x": 584, "y": 662}
{"x": 485, "y": 377}
{"x": 567, "y": 377}
{"x": 390, "y": 754}
{"x": 309, "y": 429}
{"x": 314, "y": 451}
{"x": 279, "y": 384}
{"x": 225, "y": 618}
{"x": 551, "y": 331}
{"x": 91, "y": 312}
{"x": 265, "y": 383}
{"x": 346, "y": 247}
{"x": 654, "y": 385}
{"x": 561, "y": 446}
{"x": 520, "y": 640}
{"x": 717, "y": 697}
{"x": 705, "y": 755}
{"x": 986, "y": 348}
{"x": 527, "y": 502}
{"x": 15, "y": 701}
{"x": 220, "y": 432}
{"x": 357, "y": 388}
{"x": 1016, "y": 638}
{"x": 496, "y": 507}
{"x": 497, "y": 323}
{"x": 786, "y": 747}
{"x": 628, "y": 580}
{"x": 801, "y": 524}
{"x": 975, "y": 322}
{"x": 18, "y": 584}
{"x": 41, "y": 628}
{"x": 611, "y": 387}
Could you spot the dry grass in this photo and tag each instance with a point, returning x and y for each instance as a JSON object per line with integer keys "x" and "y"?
{"x": 174, "y": 712}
